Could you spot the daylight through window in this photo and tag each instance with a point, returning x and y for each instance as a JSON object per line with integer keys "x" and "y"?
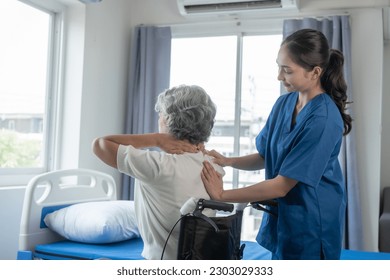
{"x": 24, "y": 54}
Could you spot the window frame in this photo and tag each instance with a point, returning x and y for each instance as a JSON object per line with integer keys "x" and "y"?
{"x": 21, "y": 176}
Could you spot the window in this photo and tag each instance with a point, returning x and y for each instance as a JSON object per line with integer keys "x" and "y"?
{"x": 240, "y": 75}
{"x": 29, "y": 59}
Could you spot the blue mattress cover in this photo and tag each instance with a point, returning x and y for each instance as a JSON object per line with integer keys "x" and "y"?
{"x": 132, "y": 249}
{"x": 125, "y": 250}
{"x": 69, "y": 250}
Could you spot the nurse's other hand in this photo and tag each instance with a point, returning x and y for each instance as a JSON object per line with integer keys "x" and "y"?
{"x": 171, "y": 145}
{"x": 218, "y": 158}
{"x": 212, "y": 181}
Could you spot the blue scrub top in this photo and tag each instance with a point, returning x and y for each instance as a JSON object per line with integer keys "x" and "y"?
{"x": 310, "y": 218}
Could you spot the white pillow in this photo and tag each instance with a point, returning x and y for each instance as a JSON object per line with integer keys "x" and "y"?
{"x": 95, "y": 222}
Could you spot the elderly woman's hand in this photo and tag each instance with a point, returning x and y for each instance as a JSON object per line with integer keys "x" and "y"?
{"x": 171, "y": 145}
{"x": 212, "y": 181}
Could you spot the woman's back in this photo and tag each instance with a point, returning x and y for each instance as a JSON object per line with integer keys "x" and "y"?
{"x": 164, "y": 183}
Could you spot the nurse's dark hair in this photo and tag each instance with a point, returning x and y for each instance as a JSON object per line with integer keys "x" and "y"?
{"x": 309, "y": 48}
{"x": 189, "y": 112}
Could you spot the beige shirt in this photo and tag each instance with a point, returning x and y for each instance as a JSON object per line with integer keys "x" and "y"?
{"x": 164, "y": 182}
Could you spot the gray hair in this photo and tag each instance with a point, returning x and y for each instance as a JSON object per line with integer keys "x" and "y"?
{"x": 189, "y": 112}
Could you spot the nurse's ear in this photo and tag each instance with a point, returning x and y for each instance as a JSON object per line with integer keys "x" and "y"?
{"x": 316, "y": 72}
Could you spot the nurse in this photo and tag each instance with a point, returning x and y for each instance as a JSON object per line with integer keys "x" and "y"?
{"x": 298, "y": 148}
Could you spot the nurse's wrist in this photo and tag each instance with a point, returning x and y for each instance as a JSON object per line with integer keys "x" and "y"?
{"x": 223, "y": 195}
{"x": 217, "y": 196}
{"x": 230, "y": 161}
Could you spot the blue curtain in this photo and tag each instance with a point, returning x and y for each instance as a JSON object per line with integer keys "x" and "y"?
{"x": 337, "y": 30}
{"x": 150, "y": 64}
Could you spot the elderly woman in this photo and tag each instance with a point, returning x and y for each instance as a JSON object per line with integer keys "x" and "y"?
{"x": 166, "y": 179}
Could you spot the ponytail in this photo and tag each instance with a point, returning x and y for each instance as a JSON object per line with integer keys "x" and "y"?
{"x": 333, "y": 82}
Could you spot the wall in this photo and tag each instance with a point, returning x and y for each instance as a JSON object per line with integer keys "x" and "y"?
{"x": 102, "y": 58}
{"x": 11, "y": 201}
{"x": 385, "y": 149}
{"x": 106, "y": 60}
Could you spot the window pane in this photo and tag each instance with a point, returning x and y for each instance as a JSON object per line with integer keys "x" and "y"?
{"x": 23, "y": 69}
{"x": 210, "y": 62}
{"x": 260, "y": 89}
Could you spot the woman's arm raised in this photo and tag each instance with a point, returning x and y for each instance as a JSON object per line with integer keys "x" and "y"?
{"x": 106, "y": 147}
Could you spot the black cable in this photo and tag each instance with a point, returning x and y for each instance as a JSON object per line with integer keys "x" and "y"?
{"x": 169, "y": 235}
{"x": 258, "y": 206}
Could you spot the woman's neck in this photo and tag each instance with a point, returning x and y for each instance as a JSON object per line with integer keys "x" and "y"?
{"x": 305, "y": 97}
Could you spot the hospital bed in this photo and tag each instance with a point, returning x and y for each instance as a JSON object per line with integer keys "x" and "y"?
{"x": 56, "y": 190}
{"x": 62, "y": 189}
